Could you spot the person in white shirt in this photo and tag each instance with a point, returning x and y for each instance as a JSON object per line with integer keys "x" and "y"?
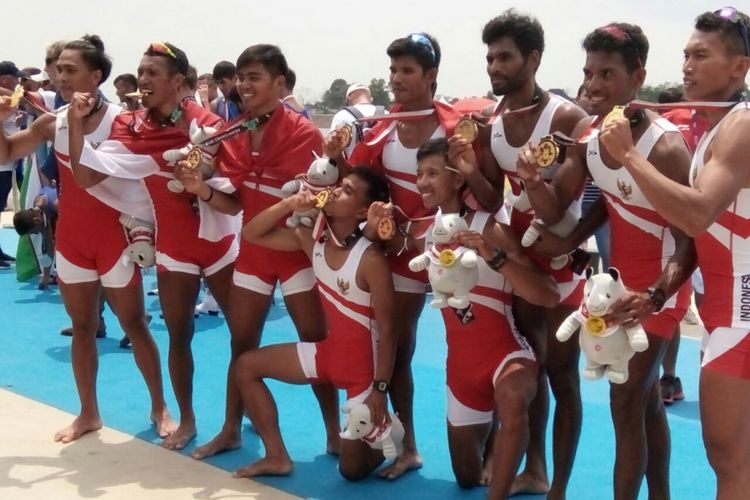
{"x": 358, "y": 105}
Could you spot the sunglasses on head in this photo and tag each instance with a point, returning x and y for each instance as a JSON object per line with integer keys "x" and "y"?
{"x": 162, "y": 48}
{"x": 733, "y": 16}
{"x": 425, "y": 42}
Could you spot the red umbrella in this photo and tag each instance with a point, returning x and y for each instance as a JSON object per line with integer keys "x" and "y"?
{"x": 472, "y": 104}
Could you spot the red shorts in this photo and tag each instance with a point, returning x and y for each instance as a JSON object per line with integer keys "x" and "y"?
{"x": 195, "y": 254}
{"x": 82, "y": 258}
{"x": 259, "y": 268}
{"x": 351, "y": 373}
{"x": 727, "y": 351}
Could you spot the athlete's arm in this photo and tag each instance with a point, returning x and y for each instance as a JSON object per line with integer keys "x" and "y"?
{"x": 484, "y": 181}
{"x": 377, "y": 279}
{"x": 692, "y": 210}
{"x": 263, "y": 229}
{"x": 550, "y": 201}
{"x": 527, "y": 280}
{"x": 551, "y": 245}
{"x": 81, "y": 104}
{"x": 25, "y": 142}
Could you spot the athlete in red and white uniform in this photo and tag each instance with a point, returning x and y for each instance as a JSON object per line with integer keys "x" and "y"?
{"x": 515, "y": 43}
{"x": 716, "y": 211}
{"x": 135, "y": 149}
{"x": 490, "y": 367}
{"x": 90, "y": 239}
{"x": 641, "y": 239}
{"x": 346, "y": 356}
{"x": 356, "y": 289}
{"x": 613, "y": 73}
{"x": 259, "y": 161}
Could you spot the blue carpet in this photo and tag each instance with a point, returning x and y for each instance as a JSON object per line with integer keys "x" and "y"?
{"x": 36, "y": 363}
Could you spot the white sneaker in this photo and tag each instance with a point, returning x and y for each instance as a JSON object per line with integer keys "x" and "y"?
{"x": 691, "y": 318}
{"x": 208, "y": 306}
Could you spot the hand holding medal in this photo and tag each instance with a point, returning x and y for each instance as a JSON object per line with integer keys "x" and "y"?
{"x": 616, "y": 135}
{"x": 337, "y": 141}
{"x": 380, "y": 215}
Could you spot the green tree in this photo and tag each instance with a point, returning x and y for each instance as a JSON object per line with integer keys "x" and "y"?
{"x": 651, "y": 92}
{"x": 334, "y": 98}
{"x": 379, "y": 92}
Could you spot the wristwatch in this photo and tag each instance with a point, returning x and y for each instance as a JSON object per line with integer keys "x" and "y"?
{"x": 657, "y": 297}
{"x": 380, "y": 385}
{"x": 496, "y": 262}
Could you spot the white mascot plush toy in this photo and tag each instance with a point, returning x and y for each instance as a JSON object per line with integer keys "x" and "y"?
{"x": 562, "y": 228}
{"x": 197, "y": 135}
{"x": 141, "y": 236}
{"x": 451, "y": 268}
{"x": 322, "y": 174}
{"x": 607, "y": 350}
{"x": 358, "y": 425}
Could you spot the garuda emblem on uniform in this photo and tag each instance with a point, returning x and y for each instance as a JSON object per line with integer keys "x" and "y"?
{"x": 343, "y": 286}
{"x": 626, "y": 190}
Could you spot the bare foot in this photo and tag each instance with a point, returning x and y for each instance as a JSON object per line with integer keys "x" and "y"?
{"x": 224, "y": 441}
{"x": 164, "y": 424}
{"x": 181, "y": 437}
{"x": 404, "y": 463}
{"x": 78, "y": 428}
{"x": 333, "y": 446}
{"x": 486, "y": 478}
{"x": 530, "y": 485}
{"x": 266, "y": 467}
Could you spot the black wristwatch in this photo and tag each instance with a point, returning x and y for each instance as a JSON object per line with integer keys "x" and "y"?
{"x": 657, "y": 297}
{"x": 380, "y": 385}
{"x": 498, "y": 260}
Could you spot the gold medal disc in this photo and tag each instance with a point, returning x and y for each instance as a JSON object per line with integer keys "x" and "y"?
{"x": 16, "y": 96}
{"x": 386, "y": 228}
{"x": 322, "y": 198}
{"x": 596, "y": 325}
{"x": 345, "y": 131}
{"x": 546, "y": 152}
{"x": 447, "y": 257}
{"x": 194, "y": 158}
{"x": 466, "y": 128}
{"x": 617, "y": 112}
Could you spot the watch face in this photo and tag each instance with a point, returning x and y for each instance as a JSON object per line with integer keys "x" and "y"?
{"x": 381, "y": 386}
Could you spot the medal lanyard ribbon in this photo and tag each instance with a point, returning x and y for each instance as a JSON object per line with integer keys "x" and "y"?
{"x": 394, "y": 119}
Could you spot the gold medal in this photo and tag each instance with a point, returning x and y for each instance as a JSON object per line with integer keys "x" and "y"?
{"x": 447, "y": 257}
{"x": 546, "y": 152}
{"x": 16, "y": 96}
{"x": 617, "y": 112}
{"x": 194, "y": 158}
{"x": 386, "y": 228}
{"x": 137, "y": 94}
{"x": 466, "y": 128}
{"x": 321, "y": 199}
{"x": 345, "y": 132}
{"x": 596, "y": 325}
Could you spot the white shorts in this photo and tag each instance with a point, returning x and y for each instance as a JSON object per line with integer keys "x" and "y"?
{"x": 303, "y": 281}
{"x": 119, "y": 276}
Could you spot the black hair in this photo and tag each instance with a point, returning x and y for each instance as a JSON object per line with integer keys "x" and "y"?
{"x": 270, "y": 56}
{"x": 92, "y": 52}
{"x": 730, "y": 32}
{"x": 127, "y": 79}
{"x": 191, "y": 78}
{"x": 290, "y": 79}
{"x": 432, "y": 147}
{"x": 377, "y": 186}
{"x": 525, "y": 31}
{"x": 23, "y": 220}
{"x": 672, "y": 94}
{"x": 224, "y": 69}
{"x": 177, "y": 64}
{"x": 412, "y": 46}
{"x": 626, "y": 39}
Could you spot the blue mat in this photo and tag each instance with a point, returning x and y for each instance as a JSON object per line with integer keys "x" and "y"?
{"x": 36, "y": 363}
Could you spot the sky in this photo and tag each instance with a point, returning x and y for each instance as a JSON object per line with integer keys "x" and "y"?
{"x": 324, "y": 40}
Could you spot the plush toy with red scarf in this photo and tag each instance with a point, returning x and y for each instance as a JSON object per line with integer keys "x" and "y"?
{"x": 451, "y": 268}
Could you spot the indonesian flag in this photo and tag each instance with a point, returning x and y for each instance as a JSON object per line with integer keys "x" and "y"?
{"x": 135, "y": 151}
